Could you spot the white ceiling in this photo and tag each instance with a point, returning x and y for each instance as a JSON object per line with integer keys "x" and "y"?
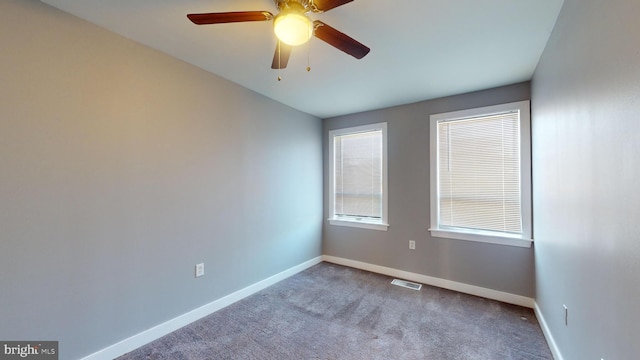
{"x": 420, "y": 49}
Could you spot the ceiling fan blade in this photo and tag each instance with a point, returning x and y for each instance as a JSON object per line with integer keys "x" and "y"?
{"x": 281, "y": 56}
{"x": 339, "y": 40}
{"x": 229, "y": 17}
{"x": 326, "y": 5}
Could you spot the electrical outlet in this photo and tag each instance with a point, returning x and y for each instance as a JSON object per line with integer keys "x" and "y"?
{"x": 199, "y": 269}
{"x": 566, "y": 315}
{"x": 412, "y": 244}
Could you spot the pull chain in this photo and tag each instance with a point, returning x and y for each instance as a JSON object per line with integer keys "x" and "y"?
{"x": 308, "y": 56}
{"x": 279, "y": 65}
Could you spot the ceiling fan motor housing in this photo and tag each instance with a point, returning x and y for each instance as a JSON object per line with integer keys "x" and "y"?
{"x": 299, "y": 5}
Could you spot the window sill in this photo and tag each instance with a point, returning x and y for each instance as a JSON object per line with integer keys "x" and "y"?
{"x": 478, "y": 237}
{"x": 359, "y": 224}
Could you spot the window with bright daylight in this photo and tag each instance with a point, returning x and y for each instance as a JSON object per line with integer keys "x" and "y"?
{"x": 358, "y": 177}
{"x": 481, "y": 174}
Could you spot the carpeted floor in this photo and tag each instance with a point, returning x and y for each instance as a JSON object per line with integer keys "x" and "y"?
{"x": 336, "y": 312}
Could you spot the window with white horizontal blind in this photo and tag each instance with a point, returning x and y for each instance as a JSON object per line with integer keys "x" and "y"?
{"x": 358, "y": 177}
{"x": 480, "y": 174}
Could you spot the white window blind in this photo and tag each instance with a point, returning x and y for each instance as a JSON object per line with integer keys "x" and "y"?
{"x": 480, "y": 184}
{"x": 358, "y": 175}
{"x": 479, "y": 173}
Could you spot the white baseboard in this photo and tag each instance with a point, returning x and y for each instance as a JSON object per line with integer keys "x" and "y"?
{"x": 165, "y": 328}
{"x": 555, "y": 351}
{"x": 429, "y": 280}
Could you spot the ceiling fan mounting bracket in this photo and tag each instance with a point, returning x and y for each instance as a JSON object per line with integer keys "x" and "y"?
{"x": 267, "y": 15}
{"x": 313, "y": 7}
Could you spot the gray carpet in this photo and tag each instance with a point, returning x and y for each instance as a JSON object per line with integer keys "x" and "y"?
{"x": 335, "y": 312}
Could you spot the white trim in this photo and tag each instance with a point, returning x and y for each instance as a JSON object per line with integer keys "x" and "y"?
{"x": 526, "y": 190}
{"x": 167, "y": 327}
{"x": 433, "y": 281}
{"x": 555, "y": 351}
{"x": 359, "y": 224}
{"x": 385, "y": 186}
{"x": 479, "y": 237}
{"x": 145, "y": 337}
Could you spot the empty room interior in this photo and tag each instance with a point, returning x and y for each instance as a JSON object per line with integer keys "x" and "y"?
{"x": 156, "y": 171}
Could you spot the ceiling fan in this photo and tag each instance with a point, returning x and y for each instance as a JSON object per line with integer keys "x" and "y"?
{"x": 292, "y": 26}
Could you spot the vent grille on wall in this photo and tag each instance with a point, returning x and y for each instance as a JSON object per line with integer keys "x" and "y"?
{"x": 407, "y": 284}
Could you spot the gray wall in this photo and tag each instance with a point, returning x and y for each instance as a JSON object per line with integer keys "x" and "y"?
{"x": 121, "y": 168}
{"x": 504, "y": 268}
{"x": 586, "y": 171}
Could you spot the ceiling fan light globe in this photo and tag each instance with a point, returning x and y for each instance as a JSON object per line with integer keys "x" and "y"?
{"x": 293, "y": 28}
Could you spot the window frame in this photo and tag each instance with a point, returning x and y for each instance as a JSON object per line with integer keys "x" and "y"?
{"x": 493, "y": 237}
{"x": 381, "y": 225}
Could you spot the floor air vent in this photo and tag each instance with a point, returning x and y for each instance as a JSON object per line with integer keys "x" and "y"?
{"x": 407, "y": 284}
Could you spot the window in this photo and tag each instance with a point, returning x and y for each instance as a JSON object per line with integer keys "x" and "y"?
{"x": 481, "y": 174}
{"x": 358, "y": 177}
